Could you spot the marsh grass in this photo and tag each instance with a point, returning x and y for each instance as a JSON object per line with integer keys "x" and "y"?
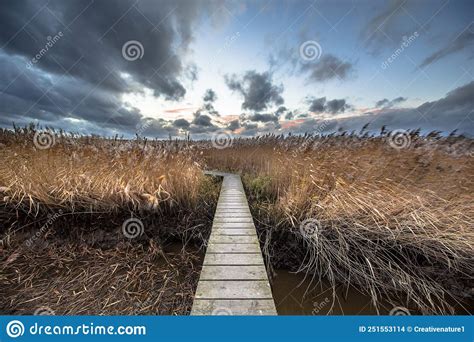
{"x": 396, "y": 223}
{"x": 61, "y": 214}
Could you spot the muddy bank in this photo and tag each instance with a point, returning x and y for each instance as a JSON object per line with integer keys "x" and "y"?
{"x": 96, "y": 264}
{"x": 72, "y": 279}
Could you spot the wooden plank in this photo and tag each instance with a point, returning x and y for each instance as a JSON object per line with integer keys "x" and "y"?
{"x": 226, "y": 307}
{"x": 233, "y": 248}
{"x": 230, "y": 289}
{"x": 231, "y": 239}
{"x": 231, "y": 206}
{"x": 230, "y": 225}
{"x": 235, "y": 231}
{"x": 233, "y": 259}
{"x": 233, "y": 219}
{"x": 233, "y": 215}
{"x": 234, "y": 211}
{"x": 233, "y": 273}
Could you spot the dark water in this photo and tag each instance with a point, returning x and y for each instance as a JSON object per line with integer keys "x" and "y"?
{"x": 295, "y": 295}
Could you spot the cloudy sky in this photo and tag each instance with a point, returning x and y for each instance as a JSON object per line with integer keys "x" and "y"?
{"x": 160, "y": 68}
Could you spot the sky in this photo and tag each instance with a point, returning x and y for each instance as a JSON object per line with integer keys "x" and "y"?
{"x": 162, "y": 68}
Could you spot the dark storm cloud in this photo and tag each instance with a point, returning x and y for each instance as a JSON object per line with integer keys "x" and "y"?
{"x": 382, "y": 103}
{"x": 454, "y": 111}
{"x": 83, "y": 75}
{"x": 24, "y": 97}
{"x": 289, "y": 115}
{"x": 463, "y": 41}
{"x": 209, "y": 108}
{"x": 320, "y": 105}
{"x": 210, "y": 96}
{"x": 96, "y": 32}
{"x": 317, "y": 105}
{"x": 203, "y": 121}
{"x": 281, "y": 110}
{"x": 327, "y": 68}
{"x": 257, "y": 117}
{"x": 233, "y": 125}
{"x": 258, "y": 90}
{"x": 336, "y": 106}
{"x": 386, "y": 103}
{"x": 458, "y": 101}
{"x": 181, "y": 123}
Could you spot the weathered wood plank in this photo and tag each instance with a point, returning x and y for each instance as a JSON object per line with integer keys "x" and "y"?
{"x": 231, "y": 239}
{"x": 229, "y": 225}
{"x": 226, "y": 307}
{"x": 232, "y": 215}
{"x": 234, "y": 211}
{"x": 233, "y": 248}
{"x": 233, "y": 219}
{"x": 230, "y": 289}
{"x": 233, "y": 273}
{"x": 233, "y": 259}
{"x": 225, "y": 207}
{"x": 235, "y": 231}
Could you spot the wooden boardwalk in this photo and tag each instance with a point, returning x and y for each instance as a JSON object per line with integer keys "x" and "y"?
{"x": 233, "y": 280}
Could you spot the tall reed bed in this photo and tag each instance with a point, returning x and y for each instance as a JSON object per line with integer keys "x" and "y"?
{"x": 394, "y": 219}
